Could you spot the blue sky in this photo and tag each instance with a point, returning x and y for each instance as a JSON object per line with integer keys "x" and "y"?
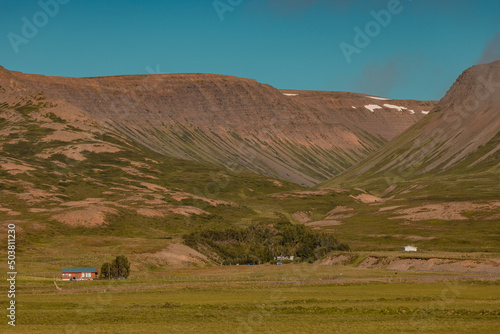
{"x": 290, "y": 44}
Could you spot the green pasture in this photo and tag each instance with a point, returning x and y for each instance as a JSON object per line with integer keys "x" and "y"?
{"x": 259, "y": 299}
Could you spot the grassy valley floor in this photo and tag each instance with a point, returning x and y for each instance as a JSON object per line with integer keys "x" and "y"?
{"x": 293, "y": 298}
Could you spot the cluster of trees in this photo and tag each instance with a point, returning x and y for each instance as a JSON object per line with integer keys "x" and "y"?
{"x": 260, "y": 243}
{"x": 118, "y": 268}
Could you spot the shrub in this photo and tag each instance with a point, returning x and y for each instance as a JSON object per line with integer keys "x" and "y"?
{"x": 260, "y": 243}
{"x": 106, "y": 270}
{"x": 118, "y": 268}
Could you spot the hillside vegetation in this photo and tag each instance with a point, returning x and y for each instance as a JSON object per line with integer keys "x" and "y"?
{"x": 261, "y": 243}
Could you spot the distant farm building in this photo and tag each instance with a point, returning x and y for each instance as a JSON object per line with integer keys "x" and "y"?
{"x": 284, "y": 258}
{"x": 78, "y": 274}
{"x": 409, "y": 249}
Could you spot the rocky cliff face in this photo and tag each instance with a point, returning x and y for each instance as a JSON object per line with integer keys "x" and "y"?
{"x": 461, "y": 135}
{"x": 303, "y": 137}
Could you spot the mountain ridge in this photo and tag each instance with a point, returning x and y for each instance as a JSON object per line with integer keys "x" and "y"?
{"x": 304, "y": 137}
{"x": 77, "y": 165}
{"x": 459, "y": 136}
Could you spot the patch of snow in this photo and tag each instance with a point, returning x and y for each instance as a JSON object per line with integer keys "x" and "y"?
{"x": 372, "y": 107}
{"x": 288, "y": 94}
{"x": 425, "y": 112}
{"x": 378, "y": 98}
{"x": 395, "y": 107}
{"x": 412, "y": 111}
{"x": 353, "y": 107}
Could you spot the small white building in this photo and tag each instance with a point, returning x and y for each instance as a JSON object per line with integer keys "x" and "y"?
{"x": 409, "y": 249}
{"x": 284, "y": 258}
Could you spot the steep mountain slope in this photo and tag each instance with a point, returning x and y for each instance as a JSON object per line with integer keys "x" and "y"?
{"x": 57, "y": 175}
{"x": 303, "y": 137}
{"x": 458, "y": 140}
